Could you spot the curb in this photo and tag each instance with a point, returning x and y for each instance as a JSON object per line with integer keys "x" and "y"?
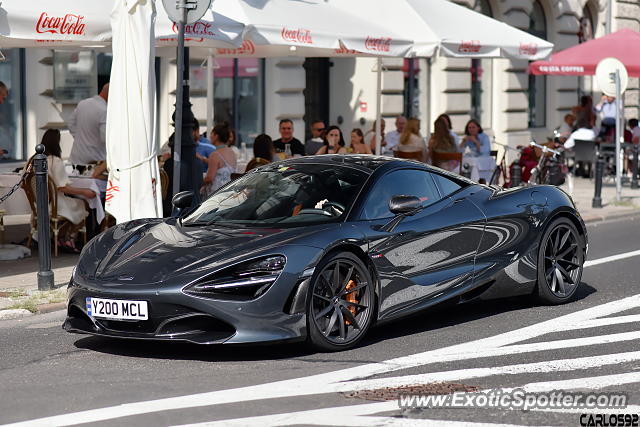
{"x": 595, "y": 218}
{"x": 48, "y": 308}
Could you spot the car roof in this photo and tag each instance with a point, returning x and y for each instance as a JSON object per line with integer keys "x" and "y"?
{"x": 370, "y": 163}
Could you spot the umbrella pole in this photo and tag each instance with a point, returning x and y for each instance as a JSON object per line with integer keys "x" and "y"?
{"x": 378, "y": 129}
{"x": 210, "y": 99}
{"x": 177, "y": 141}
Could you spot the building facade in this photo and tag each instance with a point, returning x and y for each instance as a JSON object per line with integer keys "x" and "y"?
{"x": 254, "y": 94}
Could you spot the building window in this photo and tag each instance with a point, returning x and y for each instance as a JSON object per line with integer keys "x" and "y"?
{"x": 481, "y": 76}
{"x": 238, "y": 94}
{"x": 411, "y": 70}
{"x": 11, "y": 111}
{"x": 537, "y": 84}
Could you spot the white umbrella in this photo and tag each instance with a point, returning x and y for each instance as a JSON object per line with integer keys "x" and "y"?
{"x": 37, "y": 23}
{"x": 133, "y": 189}
{"x": 445, "y": 28}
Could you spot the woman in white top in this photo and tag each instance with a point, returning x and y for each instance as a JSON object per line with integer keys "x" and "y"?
{"x": 70, "y": 208}
{"x": 411, "y": 141}
{"x": 222, "y": 162}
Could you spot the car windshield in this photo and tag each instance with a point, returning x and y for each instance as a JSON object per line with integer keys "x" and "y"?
{"x": 295, "y": 194}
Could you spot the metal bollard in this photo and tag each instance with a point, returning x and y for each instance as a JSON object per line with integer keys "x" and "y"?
{"x": 516, "y": 174}
{"x": 597, "y": 199}
{"x": 45, "y": 275}
{"x": 634, "y": 167}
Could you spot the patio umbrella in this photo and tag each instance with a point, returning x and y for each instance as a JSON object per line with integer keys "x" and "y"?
{"x": 582, "y": 59}
{"x": 133, "y": 189}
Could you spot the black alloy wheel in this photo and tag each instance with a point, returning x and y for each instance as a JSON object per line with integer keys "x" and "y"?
{"x": 560, "y": 262}
{"x": 341, "y": 301}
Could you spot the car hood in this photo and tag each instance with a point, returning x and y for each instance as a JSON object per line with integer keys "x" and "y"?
{"x": 153, "y": 251}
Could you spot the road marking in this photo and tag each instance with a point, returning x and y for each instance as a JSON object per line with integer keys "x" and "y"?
{"x": 560, "y": 365}
{"x": 327, "y": 382}
{"x": 355, "y": 415}
{"x": 611, "y": 258}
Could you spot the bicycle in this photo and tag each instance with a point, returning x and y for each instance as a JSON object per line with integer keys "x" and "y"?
{"x": 501, "y": 169}
{"x": 549, "y": 168}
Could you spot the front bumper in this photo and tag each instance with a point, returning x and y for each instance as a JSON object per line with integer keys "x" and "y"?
{"x": 175, "y": 316}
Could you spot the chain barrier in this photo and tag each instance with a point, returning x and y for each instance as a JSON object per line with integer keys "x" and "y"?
{"x": 26, "y": 172}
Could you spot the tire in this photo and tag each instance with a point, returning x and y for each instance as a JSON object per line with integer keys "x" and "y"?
{"x": 560, "y": 262}
{"x": 337, "y": 319}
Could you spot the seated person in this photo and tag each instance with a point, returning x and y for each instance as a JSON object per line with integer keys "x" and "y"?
{"x": 72, "y": 209}
{"x": 476, "y": 145}
{"x": 441, "y": 141}
{"x": 263, "y": 152}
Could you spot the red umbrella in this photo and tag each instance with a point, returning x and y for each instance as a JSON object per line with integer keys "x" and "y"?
{"x": 582, "y": 60}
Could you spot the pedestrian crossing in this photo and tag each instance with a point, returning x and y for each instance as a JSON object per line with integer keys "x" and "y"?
{"x": 599, "y": 348}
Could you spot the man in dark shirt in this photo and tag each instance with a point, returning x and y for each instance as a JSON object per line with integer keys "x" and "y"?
{"x": 315, "y": 142}
{"x": 287, "y": 139}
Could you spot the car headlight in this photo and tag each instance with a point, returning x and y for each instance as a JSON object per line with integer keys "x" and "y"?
{"x": 243, "y": 281}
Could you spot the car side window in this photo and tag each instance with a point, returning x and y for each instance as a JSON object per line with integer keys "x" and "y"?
{"x": 409, "y": 182}
{"x": 446, "y": 185}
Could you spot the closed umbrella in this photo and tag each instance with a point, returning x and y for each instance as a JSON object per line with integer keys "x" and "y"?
{"x": 133, "y": 189}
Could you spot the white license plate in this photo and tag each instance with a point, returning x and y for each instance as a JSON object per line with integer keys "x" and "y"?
{"x": 117, "y": 309}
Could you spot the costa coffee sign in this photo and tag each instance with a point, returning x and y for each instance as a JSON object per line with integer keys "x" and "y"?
{"x": 530, "y": 49}
{"x": 378, "y": 44}
{"x": 67, "y": 24}
{"x": 297, "y": 35}
{"x": 198, "y": 28}
{"x": 469, "y": 46}
{"x": 248, "y": 48}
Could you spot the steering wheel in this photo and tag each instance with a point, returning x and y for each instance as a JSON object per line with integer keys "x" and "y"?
{"x": 314, "y": 211}
{"x": 336, "y": 209}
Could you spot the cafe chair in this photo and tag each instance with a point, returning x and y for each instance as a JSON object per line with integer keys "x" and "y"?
{"x": 164, "y": 183}
{"x": 56, "y": 221}
{"x": 439, "y": 157}
{"x": 2, "y": 212}
{"x": 255, "y": 163}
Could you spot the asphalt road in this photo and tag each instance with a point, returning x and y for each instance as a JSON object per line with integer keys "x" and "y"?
{"x": 50, "y": 377}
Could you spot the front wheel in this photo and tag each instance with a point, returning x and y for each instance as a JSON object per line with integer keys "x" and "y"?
{"x": 341, "y": 301}
{"x": 560, "y": 262}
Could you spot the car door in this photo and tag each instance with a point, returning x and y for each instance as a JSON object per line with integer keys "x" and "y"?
{"x": 428, "y": 255}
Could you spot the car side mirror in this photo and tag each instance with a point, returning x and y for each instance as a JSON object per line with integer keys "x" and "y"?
{"x": 401, "y": 204}
{"x": 182, "y": 200}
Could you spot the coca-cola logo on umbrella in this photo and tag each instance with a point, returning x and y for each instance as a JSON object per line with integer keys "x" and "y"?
{"x": 198, "y": 28}
{"x": 469, "y": 46}
{"x": 528, "y": 49}
{"x": 248, "y": 48}
{"x": 298, "y": 35}
{"x": 67, "y": 24}
{"x": 378, "y": 44}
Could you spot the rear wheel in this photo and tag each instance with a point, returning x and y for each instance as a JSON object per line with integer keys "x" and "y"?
{"x": 560, "y": 262}
{"x": 340, "y": 305}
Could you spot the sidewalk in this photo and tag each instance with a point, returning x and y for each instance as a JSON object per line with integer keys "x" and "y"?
{"x": 18, "y": 279}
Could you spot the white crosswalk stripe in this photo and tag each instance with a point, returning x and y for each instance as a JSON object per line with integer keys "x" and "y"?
{"x": 594, "y": 321}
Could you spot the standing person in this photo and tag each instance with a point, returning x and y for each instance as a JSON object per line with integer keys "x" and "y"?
{"x": 357, "y": 143}
{"x": 287, "y": 142}
{"x": 222, "y": 162}
{"x": 333, "y": 142}
{"x": 447, "y": 120}
{"x": 88, "y": 125}
{"x": 316, "y": 141}
{"x": 371, "y": 140}
{"x": 411, "y": 141}
{"x": 72, "y": 209}
{"x": 393, "y": 137}
{"x": 441, "y": 141}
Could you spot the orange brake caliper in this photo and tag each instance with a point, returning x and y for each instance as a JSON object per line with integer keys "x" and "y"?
{"x": 351, "y": 298}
